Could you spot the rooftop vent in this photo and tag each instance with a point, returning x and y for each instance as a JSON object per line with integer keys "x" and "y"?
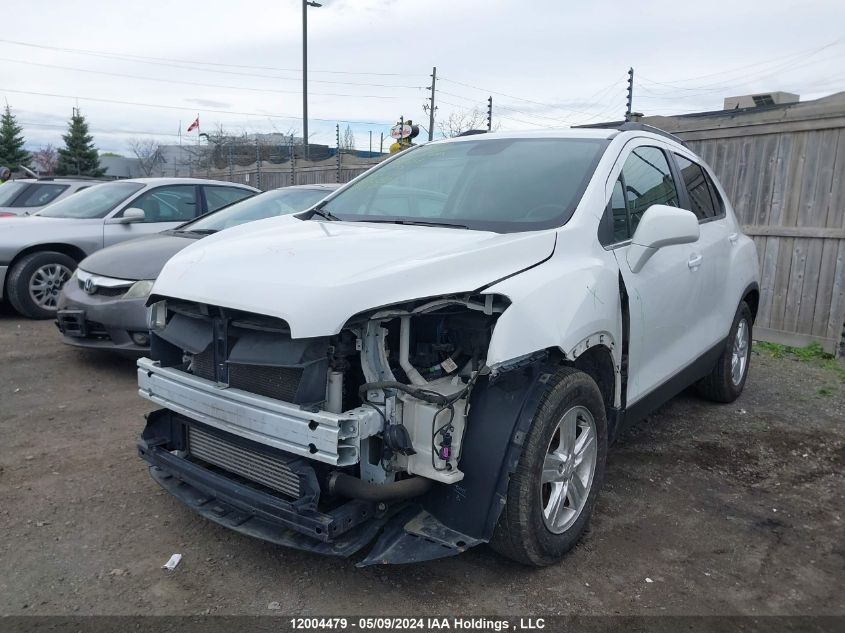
{"x": 760, "y": 100}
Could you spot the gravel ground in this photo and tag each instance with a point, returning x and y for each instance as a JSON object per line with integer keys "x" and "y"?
{"x": 707, "y": 509}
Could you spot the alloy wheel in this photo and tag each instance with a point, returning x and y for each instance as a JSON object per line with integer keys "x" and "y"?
{"x": 568, "y": 469}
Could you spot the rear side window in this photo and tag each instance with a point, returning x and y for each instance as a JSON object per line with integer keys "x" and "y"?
{"x": 702, "y": 192}
{"x": 647, "y": 180}
{"x": 38, "y": 195}
{"x": 219, "y": 197}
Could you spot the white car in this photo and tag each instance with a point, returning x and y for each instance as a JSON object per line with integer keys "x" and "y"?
{"x": 439, "y": 354}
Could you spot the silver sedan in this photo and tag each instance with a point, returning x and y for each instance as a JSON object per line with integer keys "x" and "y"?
{"x": 38, "y": 253}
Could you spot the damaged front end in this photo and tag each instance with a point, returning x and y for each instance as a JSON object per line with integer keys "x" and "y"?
{"x": 392, "y": 428}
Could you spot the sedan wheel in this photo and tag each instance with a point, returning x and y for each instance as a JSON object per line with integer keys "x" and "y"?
{"x": 45, "y": 284}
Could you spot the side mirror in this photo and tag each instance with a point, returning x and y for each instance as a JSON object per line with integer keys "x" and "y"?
{"x": 661, "y": 225}
{"x": 133, "y": 215}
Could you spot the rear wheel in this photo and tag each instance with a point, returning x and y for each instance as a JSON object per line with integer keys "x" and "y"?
{"x": 35, "y": 281}
{"x": 726, "y": 381}
{"x": 552, "y": 493}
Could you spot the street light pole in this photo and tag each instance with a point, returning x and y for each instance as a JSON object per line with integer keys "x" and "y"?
{"x": 305, "y": 5}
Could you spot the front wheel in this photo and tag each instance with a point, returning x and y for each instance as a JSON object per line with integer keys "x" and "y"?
{"x": 552, "y": 493}
{"x": 35, "y": 281}
{"x": 726, "y": 381}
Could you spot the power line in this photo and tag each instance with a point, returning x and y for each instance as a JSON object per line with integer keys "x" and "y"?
{"x": 455, "y": 105}
{"x": 754, "y": 65}
{"x": 509, "y": 96}
{"x": 509, "y": 109}
{"x": 242, "y": 74}
{"x": 194, "y": 83}
{"x": 82, "y": 51}
{"x": 188, "y": 108}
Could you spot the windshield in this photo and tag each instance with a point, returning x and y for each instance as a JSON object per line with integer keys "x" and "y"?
{"x": 94, "y": 202}
{"x": 265, "y": 205}
{"x": 10, "y": 191}
{"x": 503, "y": 185}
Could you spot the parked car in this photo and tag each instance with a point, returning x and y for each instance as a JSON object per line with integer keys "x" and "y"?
{"x": 39, "y": 252}
{"x": 25, "y": 196}
{"x": 432, "y": 376}
{"x": 104, "y": 303}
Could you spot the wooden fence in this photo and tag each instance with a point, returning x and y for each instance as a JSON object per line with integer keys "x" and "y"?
{"x": 784, "y": 171}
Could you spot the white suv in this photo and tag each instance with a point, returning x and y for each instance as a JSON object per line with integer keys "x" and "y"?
{"x": 440, "y": 353}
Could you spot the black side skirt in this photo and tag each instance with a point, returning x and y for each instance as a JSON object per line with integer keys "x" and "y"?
{"x": 689, "y": 375}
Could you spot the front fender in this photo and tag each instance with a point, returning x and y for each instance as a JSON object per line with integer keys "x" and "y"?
{"x": 557, "y": 306}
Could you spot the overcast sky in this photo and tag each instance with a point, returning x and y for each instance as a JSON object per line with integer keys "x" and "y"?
{"x": 139, "y": 69}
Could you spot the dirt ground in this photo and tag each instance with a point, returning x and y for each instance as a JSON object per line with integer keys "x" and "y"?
{"x": 733, "y": 509}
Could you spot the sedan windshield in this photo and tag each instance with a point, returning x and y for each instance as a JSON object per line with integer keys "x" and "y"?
{"x": 265, "y": 205}
{"x": 10, "y": 191}
{"x": 94, "y": 202}
{"x": 503, "y": 185}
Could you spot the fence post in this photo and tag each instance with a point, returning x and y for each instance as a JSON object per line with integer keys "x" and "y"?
{"x": 337, "y": 174}
{"x": 292, "y": 162}
{"x": 257, "y": 163}
{"x": 231, "y": 163}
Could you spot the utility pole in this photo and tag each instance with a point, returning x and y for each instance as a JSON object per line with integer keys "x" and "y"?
{"x": 490, "y": 114}
{"x": 431, "y": 105}
{"x": 381, "y": 143}
{"x": 371, "y": 143}
{"x": 630, "y": 94}
{"x": 305, "y": 5}
{"x": 337, "y": 133}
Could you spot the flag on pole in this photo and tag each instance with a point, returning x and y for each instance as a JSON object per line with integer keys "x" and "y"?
{"x": 195, "y": 124}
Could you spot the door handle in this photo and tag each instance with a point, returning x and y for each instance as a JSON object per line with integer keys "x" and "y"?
{"x": 695, "y": 261}
{"x": 733, "y": 237}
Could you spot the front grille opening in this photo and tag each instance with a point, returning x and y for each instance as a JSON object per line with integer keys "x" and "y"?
{"x": 96, "y": 331}
{"x": 269, "y": 471}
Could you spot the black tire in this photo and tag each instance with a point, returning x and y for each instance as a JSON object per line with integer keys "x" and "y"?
{"x": 521, "y": 533}
{"x": 719, "y": 385}
{"x": 17, "y": 283}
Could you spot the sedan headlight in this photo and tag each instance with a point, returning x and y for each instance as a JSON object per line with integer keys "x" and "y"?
{"x": 157, "y": 315}
{"x": 139, "y": 289}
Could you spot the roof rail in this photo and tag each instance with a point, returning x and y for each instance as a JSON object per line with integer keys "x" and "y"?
{"x": 631, "y": 126}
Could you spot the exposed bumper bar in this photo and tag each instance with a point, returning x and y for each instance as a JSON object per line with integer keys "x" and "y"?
{"x": 319, "y": 435}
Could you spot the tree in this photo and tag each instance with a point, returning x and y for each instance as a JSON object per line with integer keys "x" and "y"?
{"x": 78, "y": 157}
{"x": 45, "y": 160}
{"x": 148, "y": 154}
{"x": 12, "y": 152}
{"x": 461, "y": 121}
{"x": 348, "y": 141}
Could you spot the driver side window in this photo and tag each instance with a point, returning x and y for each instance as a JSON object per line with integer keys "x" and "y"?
{"x": 172, "y": 203}
{"x": 648, "y": 180}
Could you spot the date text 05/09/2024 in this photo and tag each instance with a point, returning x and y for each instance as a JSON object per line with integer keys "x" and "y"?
{"x": 417, "y": 624}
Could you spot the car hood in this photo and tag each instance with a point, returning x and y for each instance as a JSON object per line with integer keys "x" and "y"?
{"x": 316, "y": 275}
{"x": 142, "y": 258}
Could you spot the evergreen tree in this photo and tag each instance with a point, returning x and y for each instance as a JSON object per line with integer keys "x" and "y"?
{"x": 12, "y": 153}
{"x": 78, "y": 157}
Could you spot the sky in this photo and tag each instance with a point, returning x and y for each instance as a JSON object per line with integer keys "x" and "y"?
{"x": 147, "y": 69}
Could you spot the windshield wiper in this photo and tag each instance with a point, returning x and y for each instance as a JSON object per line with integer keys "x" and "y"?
{"x": 197, "y": 231}
{"x": 318, "y": 210}
{"x": 450, "y": 225}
